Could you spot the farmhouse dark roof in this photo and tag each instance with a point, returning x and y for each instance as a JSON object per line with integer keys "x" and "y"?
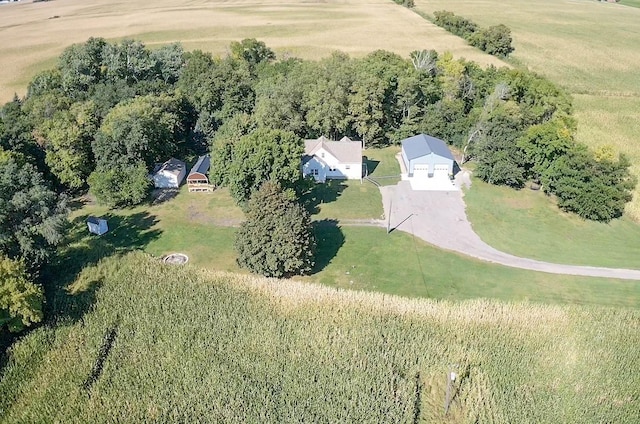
{"x": 201, "y": 166}
{"x": 423, "y": 145}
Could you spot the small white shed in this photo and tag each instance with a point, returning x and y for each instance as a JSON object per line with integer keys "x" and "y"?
{"x": 169, "y": 174}
{"x": 97, "y": 225}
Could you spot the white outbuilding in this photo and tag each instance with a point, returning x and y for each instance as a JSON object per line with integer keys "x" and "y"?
{"x": 97, "y": 226}
{"x": 169, "y": 174}
{"x": 427, "y": 163}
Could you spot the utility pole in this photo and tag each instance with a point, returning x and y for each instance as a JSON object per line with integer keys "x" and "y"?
{"x": 451, "y": 377}
{"x": 389, "y": 218}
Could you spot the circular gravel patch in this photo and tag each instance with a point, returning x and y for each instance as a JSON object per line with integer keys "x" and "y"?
{"x": 176, "y": 259}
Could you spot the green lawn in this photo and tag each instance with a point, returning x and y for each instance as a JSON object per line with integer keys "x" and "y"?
{"x": 527, "y": 223}
{"x": 382, "y": 165}
{"x": 366, "y": 258}
{"x": 631, "y": 3}
{"x": 345, "y": 199}
{"x": 198, "y": 224}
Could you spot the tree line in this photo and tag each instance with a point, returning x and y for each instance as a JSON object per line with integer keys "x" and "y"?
{"x": 108, "y": 112}
{"x": 495, "y": 40}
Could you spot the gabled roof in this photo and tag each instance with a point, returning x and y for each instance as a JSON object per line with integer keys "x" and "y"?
{"x": 202, "y": 165}
{"x": 173, "y": 166}
{"x": 423, "y": 145}
{"x": 345, "y": 150}
{"x": 94, "y": 220}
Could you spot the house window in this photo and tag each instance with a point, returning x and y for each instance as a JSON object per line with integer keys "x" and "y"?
{"x": 347, "y": 167}
{"x": 322, "y": 154}
{"x": 314, "y": 172}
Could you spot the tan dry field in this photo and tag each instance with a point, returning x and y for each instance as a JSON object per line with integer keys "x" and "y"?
{"x": 36, "y": 33}
{"x": 591, "y": 48}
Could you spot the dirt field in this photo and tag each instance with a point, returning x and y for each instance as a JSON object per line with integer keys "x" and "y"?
{"x": 38, "y": 32}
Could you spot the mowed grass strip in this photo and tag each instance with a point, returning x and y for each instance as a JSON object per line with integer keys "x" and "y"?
{"x": 194, "y": 346}
{"x": 369, "y": 259}
{"x": 527, "y": 223}
{"x": 298, "y": 28}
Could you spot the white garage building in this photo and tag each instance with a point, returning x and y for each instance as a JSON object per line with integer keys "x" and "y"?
{"x": 169, "y": 174}
{"x": 428, "y": 163}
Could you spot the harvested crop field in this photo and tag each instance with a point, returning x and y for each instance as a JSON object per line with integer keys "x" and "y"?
{"x": 40, "y": 31}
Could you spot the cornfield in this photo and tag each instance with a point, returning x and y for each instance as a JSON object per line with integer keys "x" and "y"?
{"x": 152, "y": 342}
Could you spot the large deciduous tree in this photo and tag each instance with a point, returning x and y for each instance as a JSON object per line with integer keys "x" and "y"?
{"x": 264, "y": 155}
{"x": 32, "y": 216}
{"x": 593, "y": 188}
{"x": 120, "y": 185}
{"x": 276, "y": 240}
{"x": 20, "y": 299}
{"x": 68, "y": 138}
{"x": 144, "y": 129}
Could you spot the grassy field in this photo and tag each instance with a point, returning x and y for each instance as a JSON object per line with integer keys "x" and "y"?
{"x": 631, "y": 3}
{"x": 527, "y": 223}
{"x": 354, "y": 257}
{"x": 382, "y": 165}
{"x": 369, "y": 259}
{"x": 38, "y": 32}
{"x": 154, "y": 343}
{"x": 588, "y": 47}
{"x": 198, "y": 224}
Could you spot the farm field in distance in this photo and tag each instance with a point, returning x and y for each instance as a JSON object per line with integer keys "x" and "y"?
{"x": 40, "y": 31}
{"x": 588, "y": 47}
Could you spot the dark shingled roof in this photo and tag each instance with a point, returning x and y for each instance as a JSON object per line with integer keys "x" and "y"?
{"x": 93, "y": 220}
{"x": 202, "y": 165}
{"x": 422, "y": 145}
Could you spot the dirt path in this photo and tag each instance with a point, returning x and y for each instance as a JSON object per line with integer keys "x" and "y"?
{"x": 439, "y": 218}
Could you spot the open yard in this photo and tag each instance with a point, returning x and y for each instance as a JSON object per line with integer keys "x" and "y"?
{"x": 352, "y": 257}
{"x": 36, "y": 33}
{"x": 527, "y": 223}
{"x": 588, "y": 47}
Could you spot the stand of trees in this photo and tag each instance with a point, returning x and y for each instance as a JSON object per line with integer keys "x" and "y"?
{"x": 495, "y": 40}
{"x": 109, "y": 111}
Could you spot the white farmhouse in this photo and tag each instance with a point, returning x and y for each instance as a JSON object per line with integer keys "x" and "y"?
{"x": 169, "y": 174}
{"x": 325, "y": 159}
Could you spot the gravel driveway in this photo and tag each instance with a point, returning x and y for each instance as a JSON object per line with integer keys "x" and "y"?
{"x": 439, "y": 218}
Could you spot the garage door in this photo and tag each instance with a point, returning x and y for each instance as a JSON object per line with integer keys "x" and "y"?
{"x": 420, "y": 170}
{"x": 441, "y": 172}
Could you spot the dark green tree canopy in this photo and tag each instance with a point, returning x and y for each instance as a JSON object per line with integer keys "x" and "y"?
{"x": 120, "y": 185}
{"x": 146, "y": 129}
{"x": 592, "y": 188}
{"x": 276, "y": 240}
{"x": 264, "y": 155}
{"x": 32, "y": 216}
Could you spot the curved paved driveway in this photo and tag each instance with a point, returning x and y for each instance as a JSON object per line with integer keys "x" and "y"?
{"x": 439, "y": 218}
